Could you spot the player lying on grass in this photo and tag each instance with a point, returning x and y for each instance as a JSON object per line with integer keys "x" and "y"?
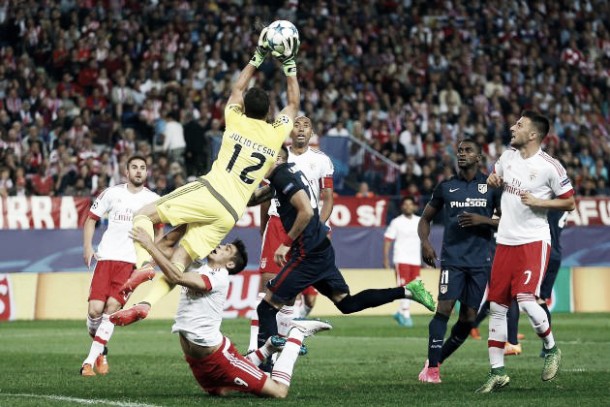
{"x": 217, "y": 366}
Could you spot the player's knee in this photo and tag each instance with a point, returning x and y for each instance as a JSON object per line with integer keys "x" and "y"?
{"x": 346, "y": 305}
{"x": 445, "y": 308}
{"x": 94, "y": 313}
{"x": 497, "y": 310}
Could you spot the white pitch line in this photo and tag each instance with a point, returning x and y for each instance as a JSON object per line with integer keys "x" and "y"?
{"x": 77, "y": 400}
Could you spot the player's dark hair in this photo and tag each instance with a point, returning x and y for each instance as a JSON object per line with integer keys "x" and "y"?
{"x": 256, "y": 103}
{"x": 136, "y": 157}
{"x": 474, "y": 143}
{"x": 240, "y": 259}
{"x": 407, "y": 198}
{"x": 541, "y": 123}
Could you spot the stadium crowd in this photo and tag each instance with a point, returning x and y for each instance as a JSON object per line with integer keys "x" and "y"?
{"x": 85, "y": 84}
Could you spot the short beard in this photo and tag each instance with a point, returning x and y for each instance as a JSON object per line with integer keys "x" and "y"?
{"x": 136, "y": 183}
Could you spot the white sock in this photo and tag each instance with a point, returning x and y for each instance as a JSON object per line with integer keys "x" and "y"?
{"x": 253, "y": 345}
{"x": 538, "y": 320}
{"x": 405, "y": 308}
{"x": 259, "y": 355}
{"x": 93, "y": 324}
{"x": 282, "y": 370}
{"x": 498, "y": 334}
{"x": 102, "y": 336}
{"x": 284, "y": 319}
{"x": 305, "y": 310}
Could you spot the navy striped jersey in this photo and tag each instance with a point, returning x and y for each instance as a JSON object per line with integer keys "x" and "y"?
{"x": 287, "y": 180}
{"x": 466, "y": 246}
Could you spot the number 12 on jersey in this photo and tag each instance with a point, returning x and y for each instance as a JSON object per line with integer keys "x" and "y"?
{"x": 244, "y": 173}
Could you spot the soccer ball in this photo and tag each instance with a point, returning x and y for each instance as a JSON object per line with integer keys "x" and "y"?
{"x": 277, "y": 32}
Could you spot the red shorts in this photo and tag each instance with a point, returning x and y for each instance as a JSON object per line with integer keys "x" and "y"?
{"x": 272, "y": 239}
{"x": 405, "y": 273}
{"x": 517, "y": 270}
{"x": 108, "y": 278}
{"x": 225, "y": 370}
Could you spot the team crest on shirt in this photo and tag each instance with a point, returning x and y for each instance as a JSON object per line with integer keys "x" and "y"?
{"x": 483, "y": 188}
{"x": 533, "y": 175}
{"x": 263, "y": 262}
{"x": 443, "y": 289}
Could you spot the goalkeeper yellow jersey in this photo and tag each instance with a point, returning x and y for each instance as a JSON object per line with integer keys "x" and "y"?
{"x": 249, "y": 147}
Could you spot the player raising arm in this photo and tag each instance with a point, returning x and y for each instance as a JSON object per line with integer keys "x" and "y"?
{"x": 212, "y": 204}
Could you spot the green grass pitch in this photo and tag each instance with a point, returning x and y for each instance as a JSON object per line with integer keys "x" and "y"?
{"x": 363, "y": 361}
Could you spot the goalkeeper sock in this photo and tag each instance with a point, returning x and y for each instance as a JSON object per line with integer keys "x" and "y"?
{"x": 144, "y": 222}
{"x": 160, "y": 288}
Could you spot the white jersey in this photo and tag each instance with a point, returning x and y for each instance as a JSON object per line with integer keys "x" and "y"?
{"x": 542, "y": 176}
{"x": 316, "y": 166}
{"x": 120, "y": 204}
{"x": 199, "y": 314}
{"x": 407, "y": 246}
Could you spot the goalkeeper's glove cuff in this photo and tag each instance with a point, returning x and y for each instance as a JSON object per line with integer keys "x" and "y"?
{"x": 290, "y": 68}
{"x": 258, "y": 58}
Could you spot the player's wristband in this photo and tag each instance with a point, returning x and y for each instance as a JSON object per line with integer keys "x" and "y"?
{"x": 288, "y": 241}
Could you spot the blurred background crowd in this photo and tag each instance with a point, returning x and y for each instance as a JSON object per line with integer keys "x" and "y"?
{"x": 391, "y": 87}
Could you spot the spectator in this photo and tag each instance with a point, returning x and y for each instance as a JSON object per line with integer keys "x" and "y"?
{"x": 364, "y": 191}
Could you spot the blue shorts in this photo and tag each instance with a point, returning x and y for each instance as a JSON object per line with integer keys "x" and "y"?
{"x": 546, "y": 288}
{"x": 316, "y": 268}
{"x": 465, "y": 284}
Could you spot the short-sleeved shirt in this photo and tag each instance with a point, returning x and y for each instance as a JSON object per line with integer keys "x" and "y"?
{"x": 317, "y": 168}
{"x": 543, "y": 177}
{"x": 466, "y": 246}
{"x": 287, "y": 180}
{"x": 407, "y": 246}
{"x": 199, "y": 313}
{"x": 249, "y": 147}
{"x": 120, "y": 204}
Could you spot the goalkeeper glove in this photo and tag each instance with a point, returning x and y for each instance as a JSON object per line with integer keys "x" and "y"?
{"x": 288, "y": 57}
{"x": 261, "y": 50}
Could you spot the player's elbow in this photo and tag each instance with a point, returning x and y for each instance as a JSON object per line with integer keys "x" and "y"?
{"x": 568, "y": 204}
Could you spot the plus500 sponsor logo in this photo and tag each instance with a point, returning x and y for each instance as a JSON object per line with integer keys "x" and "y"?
{"x": 470, "y": 203}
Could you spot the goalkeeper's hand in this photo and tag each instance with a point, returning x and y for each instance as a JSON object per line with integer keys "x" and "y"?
{"x": 288, "y": 57}
{"x": 261, "y": 51}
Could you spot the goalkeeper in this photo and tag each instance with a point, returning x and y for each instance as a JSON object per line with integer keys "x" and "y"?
{"x": 211, "y": 205}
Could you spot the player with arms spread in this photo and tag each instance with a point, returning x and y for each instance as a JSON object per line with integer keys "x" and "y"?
{"x": 530, "y": 178}
{"x": 212, "y": 204}
{"x": 466, "y": 255}
{"x": 115, "y": 256}
{"x": 307, "y": 256}
{"x": 318, "y": 169}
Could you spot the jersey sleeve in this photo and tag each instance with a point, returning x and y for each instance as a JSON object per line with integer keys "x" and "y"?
{"x": 560, "y": 182}
{"x": 233, "y": 112}
{"x": 390, "y": 232}
{"x": 286, "y": 183}
{"x": 101, "y": 205}
{"x": 326, "y": 173}
{"x": 438, "y": 199}
{"x": 282, "y": 126}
